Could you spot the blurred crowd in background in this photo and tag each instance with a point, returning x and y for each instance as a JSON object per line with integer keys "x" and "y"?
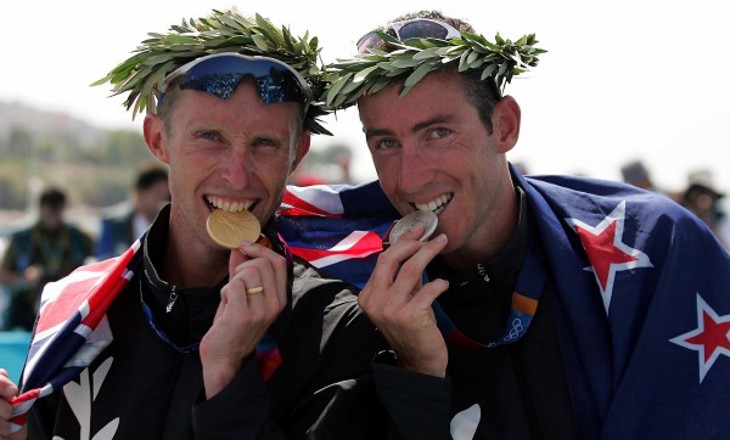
{"x": 700, "y": 195}
{"x": 48, "y": 245}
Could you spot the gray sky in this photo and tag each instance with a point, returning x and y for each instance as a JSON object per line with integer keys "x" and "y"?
{"x": 622, "y": 80}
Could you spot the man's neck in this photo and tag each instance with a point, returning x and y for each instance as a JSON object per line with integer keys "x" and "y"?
{"x": 190, "y": 263}
{"x": 494, "y": 238}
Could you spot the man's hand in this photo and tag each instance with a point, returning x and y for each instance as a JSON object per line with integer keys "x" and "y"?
{"x": 399, "y": 304}
{"x": 245, "y": 313}
{"x": 8, "y": 390}
{"x": 33, "y": 274}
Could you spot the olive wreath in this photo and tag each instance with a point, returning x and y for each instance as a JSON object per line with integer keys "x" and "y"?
{"x": 142, "y": 74}
{"x": 413, "y": 58}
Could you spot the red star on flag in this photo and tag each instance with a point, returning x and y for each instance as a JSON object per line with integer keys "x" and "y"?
{"x": 607, "y": 252}
{"x": 710, "y": 339}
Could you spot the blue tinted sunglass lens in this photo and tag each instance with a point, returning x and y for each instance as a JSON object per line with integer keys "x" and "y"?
{"x": 221, "y": 85}
{"x": 221, "y": 76}
{"x": 369, "y": 40}
{"x": 422, "y": 29}
{"x": 417, "y": 28}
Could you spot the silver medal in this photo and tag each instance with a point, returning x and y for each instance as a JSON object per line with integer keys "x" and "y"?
{"x": 426, "y": 218}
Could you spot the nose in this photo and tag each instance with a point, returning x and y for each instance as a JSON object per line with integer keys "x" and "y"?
{"x": 415, "y": 170}
{"x": 237, "y": 169}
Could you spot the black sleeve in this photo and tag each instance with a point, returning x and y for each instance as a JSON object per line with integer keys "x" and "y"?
{"x": 342, "y": 403}
{"x": 241, "y": 410}
{"x": 418, "y": 405}
{"x": 322, "y": 390}
{"x": 41, "y": 417}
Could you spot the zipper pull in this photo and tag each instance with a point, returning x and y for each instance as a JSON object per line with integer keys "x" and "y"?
{"x": 482, "y": 270}
{"x": 171, "y": 300}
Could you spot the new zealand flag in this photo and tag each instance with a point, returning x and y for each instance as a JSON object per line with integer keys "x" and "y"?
{"x": 72, "y": 328}
{"x": 642, "y": 287}
{"x": 642, "y": 299}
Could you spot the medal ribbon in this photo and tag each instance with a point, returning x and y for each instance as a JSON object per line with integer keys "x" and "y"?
{"x": 525, "y": 298}
{"x": 267, "y": 350}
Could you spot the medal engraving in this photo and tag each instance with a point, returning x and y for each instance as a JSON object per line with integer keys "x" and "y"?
{"x": 426, "y": 218}
{"x": 229, "y": 229}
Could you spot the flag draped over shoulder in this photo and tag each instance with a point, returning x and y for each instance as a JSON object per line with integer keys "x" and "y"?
{"x": 642, "y": 292}
{"x": 642, "y": 300}
{"x": 337, "y": 227}
{"x": 643, "y": 311}
{"x": 71, "y": 329}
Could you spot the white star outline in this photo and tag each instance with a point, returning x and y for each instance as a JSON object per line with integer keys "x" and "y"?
{"x": 464, "y": 424}
{"x": 618, "y": 215}
{"x": 681, "y": 340}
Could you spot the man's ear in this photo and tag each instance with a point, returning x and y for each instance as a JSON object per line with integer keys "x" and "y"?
{"x": 154, "y": 136}
{"x": 301, "y": 150}
{"x": 506, "y": 119}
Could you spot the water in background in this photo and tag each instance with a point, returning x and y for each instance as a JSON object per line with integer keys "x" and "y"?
{"x": 13, "y": 349}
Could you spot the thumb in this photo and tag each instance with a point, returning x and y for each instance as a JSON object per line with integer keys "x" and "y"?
{"x": 237, "y": 257}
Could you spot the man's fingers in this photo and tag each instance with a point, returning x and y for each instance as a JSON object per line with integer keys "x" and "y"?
{"x": 411, "y": 271}
{"x": 272, "y": 268}
{"x": 414, "y": 233}
{"x": 390, "y": 261}
{"x": 7, "y": 388}
{"x": 7, "y": 391}
{"x": 425, "y": 296}
{"x": 399, "y": 271}
{"x": 235, "y": 260}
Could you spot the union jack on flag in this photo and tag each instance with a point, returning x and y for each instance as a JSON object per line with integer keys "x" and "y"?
{"x": 71, "y": 329}
{"x": 641, "y": 290}
{"x": 337, "y": 227}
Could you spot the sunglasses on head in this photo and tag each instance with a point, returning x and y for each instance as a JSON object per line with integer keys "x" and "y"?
{"x": 220, "y": 74}
{"x": 416, "y": 28}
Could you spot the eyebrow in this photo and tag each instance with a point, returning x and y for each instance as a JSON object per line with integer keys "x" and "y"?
{"x": 438, "y": 119}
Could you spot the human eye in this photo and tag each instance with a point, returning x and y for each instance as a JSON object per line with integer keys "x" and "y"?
{"x": 385, "y": 144}
{"x": 210, "y": 135}
{"x": 439, "y": 132}
{"x": 266, "y": 142}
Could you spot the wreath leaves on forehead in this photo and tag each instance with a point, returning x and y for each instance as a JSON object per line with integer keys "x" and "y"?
{"x": 141, "y": 75}
{"x": 413, "y": 58}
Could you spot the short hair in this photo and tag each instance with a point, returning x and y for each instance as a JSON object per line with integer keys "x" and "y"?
{"x": 53, "y": 197}
{"x": 148, "y": 176}
{"x": 482, "y": 94}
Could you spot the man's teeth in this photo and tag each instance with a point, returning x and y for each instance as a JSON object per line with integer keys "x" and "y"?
{"x": 231, "y": 206}
{"x": 435, "y": 204}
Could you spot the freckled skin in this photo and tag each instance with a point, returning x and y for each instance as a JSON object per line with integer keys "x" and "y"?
{"x": 234, "y": 151}
{"x": 432, "y": 142}
{"x": 239, "y": 148}
{"x": 425, "y": 145}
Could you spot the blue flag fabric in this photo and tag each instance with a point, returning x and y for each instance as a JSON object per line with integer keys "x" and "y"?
{"x": 642, "y": 288}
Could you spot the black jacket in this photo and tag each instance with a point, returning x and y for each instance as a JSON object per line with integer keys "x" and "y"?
{"x": 516, "y": 391}
{"x": 140, "y": 387}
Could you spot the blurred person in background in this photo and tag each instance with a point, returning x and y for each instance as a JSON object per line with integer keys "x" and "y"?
{"x": 119, "y": 230}
{"x": 46, "y": 251}
{"x": 704, "y": 200}
{"x": 635, "y": 173}
{"x": 306, "y": 178}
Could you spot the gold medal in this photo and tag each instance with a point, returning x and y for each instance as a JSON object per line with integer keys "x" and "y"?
{"x": 426, "y": 218}
{"x": 229, "y": 229}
